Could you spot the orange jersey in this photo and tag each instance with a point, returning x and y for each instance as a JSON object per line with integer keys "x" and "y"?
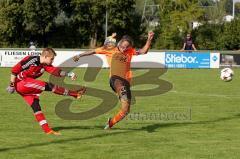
{"x": 119, "y": 62}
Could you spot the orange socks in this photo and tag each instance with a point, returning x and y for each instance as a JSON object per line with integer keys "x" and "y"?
{"x": 118, "y": 117}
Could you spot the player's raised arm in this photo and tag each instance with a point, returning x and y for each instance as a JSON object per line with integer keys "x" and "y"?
{"x": 87, "y": 53}
{"x": 146, "y": 47}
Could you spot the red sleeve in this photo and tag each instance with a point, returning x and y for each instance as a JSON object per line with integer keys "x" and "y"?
{"x": 18, "y": 67}
{"x": 53, "y": 70}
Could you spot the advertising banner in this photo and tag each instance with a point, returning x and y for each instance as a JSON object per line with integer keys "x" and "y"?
{"x": 11, "y": 57}
{"x": 191, "y": 60}
{"x": 150, "y": 60}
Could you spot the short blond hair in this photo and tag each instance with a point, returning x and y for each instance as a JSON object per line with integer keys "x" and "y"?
{"x": 48, "y": 52}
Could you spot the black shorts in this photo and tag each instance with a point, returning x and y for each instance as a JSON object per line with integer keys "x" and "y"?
{"x": 124, "y": 83}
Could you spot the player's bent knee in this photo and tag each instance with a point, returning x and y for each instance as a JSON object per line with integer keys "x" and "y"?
{"x": 125, "y": 100}
{"x": 125, "y": 95}
{"x": 125, "y": 110}
{"x": 49, "y": 86}
{"x": 125, "y": 105}
{"x": 36, "y": 106}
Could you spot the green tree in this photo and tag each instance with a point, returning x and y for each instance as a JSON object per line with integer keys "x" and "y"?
{"x": 89, "y": 17}
{"x": 237, "y": 10}
{"x": 124, "y": 19}
{"x": 11, "y": 23}
{"x": 216, "y": 12}
{"x": 231, "y": 35}
{"x": 66, "y": 23}
{"x": 39, "y": 18}
{"x": 209, "y": 36}
{"x": 175, "y": 20}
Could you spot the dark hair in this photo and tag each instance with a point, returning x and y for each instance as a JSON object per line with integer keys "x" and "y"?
{"x": 126, "y": 38}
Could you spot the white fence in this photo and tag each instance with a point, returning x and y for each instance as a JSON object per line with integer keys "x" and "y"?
{"x": 151, "y": 60}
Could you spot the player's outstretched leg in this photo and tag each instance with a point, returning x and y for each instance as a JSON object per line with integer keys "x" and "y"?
{"x": 123, "y": 90}
{"x": 65, "y": 92}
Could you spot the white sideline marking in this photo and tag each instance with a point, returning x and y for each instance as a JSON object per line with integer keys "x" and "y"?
{"x": 205, "y": 94}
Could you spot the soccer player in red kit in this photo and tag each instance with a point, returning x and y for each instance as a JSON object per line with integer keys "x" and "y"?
{"x": 23, "y": 81}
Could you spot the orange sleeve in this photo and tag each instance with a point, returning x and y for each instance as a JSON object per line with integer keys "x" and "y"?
{"x": 133, "y": 51}
{"x": 101, "y": 50}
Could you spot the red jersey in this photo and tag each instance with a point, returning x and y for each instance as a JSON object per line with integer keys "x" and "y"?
{"x": 30, "y": 67}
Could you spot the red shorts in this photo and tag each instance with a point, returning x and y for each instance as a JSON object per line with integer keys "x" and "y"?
{"x": 30, "y": 89}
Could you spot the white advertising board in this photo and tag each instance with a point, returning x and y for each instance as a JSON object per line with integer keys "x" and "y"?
{"x": 64, "y": 59}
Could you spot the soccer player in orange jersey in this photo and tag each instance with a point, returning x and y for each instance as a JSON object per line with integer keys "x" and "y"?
{"x": 119, "y": 60}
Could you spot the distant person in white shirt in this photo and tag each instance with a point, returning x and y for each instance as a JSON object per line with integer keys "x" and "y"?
{"x": 32, "y": 46}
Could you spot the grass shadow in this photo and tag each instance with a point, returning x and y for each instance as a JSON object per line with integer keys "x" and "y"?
{"x": 78, "y": 127}
{"x": 150, "y": 128}
{"x": 62, "y": 141}
{"x": 153, "y": 127}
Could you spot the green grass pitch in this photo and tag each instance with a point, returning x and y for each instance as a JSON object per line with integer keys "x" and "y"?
{"x": 207, "y": 126}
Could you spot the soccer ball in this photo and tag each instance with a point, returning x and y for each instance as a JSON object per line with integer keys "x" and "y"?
{"x": 226, "y": 74}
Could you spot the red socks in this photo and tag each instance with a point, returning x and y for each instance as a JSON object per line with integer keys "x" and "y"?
{"x": 42, "y": 121}
{"x": 62, "y": 91}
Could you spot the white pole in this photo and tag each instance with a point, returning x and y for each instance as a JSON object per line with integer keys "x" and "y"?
{"x": 106, "y": 22}
{"x": 233, "y": 10}
{"x": 144, "y": 8}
